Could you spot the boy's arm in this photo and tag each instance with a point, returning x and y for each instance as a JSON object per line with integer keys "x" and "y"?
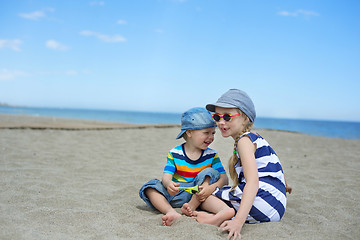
{"x": 169, "y": 184}
{"x": 206, "y": 190}
{"x": 223, "y": 180}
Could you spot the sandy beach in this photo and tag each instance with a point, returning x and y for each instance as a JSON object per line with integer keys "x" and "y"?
{"x": 75, "y": 179}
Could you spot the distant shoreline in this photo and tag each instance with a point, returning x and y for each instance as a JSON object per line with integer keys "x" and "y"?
{"x": 325, "y": 128}
{"x": 12, "y": 121}
{"x": 2, "y": 104}
{"x": 8, "y": 105}
{"x": 17, "y": 121}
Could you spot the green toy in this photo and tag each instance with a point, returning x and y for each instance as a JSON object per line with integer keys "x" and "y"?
{"x": 192, "y": 190}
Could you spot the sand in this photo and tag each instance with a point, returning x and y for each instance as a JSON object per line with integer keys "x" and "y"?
{"x": 67, "y": 179}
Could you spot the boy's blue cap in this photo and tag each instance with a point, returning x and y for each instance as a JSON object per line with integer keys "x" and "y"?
{"x": 196, "y": 118}
{"x": 235, "y": 98}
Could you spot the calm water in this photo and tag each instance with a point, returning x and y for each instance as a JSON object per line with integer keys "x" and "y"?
{"x": 348, "y": 130}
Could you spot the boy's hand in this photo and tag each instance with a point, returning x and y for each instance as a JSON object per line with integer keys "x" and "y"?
{"x": 172, "y": 188}
{"x": 205, "y": 192}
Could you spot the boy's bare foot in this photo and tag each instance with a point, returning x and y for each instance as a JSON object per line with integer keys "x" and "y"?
{"x": 169, "y": 218}
{"x": 186, "y": 209}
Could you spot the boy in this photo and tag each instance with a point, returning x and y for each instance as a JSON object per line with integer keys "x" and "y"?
{"x": 189, "y": 164}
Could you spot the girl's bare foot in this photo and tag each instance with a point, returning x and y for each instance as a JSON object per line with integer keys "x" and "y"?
{"x": 203, "y": 217}
{"x": 169, "y": 218}
{"x": 186, "y": 209}
{"x": 214, "y": 219}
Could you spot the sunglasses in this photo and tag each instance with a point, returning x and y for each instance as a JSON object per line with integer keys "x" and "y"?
{"x": 226, "y": 116}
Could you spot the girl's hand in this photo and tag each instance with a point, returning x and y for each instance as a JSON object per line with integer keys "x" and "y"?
{"x": 205, "y": 192}
{"x": 233, "y": 227}
{"x": 172, "y": 188}
{"x": 288, "y": 188}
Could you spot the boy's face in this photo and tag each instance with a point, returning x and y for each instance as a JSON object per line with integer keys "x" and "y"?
{"x": 201, "y": 138}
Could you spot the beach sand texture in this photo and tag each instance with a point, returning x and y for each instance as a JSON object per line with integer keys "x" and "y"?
{"x": 83, "y": 184}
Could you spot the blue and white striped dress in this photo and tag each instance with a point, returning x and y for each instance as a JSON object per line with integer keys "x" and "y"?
{"x": 270, "y": 201}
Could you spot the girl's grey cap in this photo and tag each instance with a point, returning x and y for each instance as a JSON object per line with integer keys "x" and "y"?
{"x": 235, "y": 98}
{"x": 196, "y": 118}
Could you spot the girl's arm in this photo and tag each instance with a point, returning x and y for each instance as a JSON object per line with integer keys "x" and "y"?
{"x": 247, "y": 155}
{"x": 288, "y": 187}
{"x": 169, "y": 184}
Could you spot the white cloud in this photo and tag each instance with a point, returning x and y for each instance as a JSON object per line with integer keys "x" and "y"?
{"x": 36, "y": 15}
{"x": 10, "y": 75}
{"x": 33, "y": 15}
{"x": 122, "y": 22}
{"x": 286, "y": 13}
{"x": 52, "y": 44}
{"x": 308, "y": 13}
{"x": 12, "y": 44}
{"x": 103, "y": 37}
{"x": 297, "y": 13}
{"x": 97, "y": 3}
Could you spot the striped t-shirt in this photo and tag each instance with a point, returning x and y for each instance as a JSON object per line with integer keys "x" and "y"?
{"x": 185, "y": 169}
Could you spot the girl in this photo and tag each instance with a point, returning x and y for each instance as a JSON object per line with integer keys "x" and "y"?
{"x": 259, "y": 188}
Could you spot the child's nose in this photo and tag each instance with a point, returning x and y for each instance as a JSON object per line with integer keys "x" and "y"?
{"x": 221, "y": 121}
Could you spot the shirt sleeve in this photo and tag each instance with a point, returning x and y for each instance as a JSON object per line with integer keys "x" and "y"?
{"x": 216, "y": 164}
{"x": 170, "y": 164}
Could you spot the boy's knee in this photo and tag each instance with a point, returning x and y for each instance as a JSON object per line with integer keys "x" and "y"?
{"x": 212, "y": 170}
{"x": 209, "y": 171}
{"x": 147, "y": 190}
{"x": 212, "y": 174}
{"x": 150, "y": 191}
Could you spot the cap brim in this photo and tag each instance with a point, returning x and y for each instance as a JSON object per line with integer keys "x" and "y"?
{"x": 180, "y": 134}
{"x": 211, "y": 107}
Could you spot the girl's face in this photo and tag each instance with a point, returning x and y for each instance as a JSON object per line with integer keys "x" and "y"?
{"x": 233, "y": 127}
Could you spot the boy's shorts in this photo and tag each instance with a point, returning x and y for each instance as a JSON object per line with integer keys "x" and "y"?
{"x": 182, "y": 197}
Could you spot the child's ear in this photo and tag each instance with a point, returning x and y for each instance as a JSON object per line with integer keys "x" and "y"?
{"x": 188, "y": 133}
{"x": 246, "y": 118}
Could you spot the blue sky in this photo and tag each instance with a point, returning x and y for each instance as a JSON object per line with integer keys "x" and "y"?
{"x": 296, "y": 59}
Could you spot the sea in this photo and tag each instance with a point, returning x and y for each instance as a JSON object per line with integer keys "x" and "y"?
{"x": 332, "y": 129}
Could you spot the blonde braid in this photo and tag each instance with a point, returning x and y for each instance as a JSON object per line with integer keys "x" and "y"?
{"x": 232, "y": 161}
{"x": 234, "y": 158}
